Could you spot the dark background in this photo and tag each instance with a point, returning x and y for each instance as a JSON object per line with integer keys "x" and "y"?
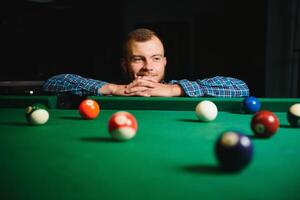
{"x": 256, "y": 41}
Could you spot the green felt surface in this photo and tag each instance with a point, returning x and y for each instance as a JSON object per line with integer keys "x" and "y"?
{"x": 145, "y": 103}
{"x": 171, "y": 157}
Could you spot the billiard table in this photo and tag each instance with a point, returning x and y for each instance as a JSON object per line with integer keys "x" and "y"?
{"x": 171, "y": 156}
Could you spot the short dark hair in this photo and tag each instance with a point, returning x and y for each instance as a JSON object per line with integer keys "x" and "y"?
{"x": 139, "y": 35}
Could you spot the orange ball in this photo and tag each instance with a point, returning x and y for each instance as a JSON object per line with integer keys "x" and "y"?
{"x": 89, "y": 109}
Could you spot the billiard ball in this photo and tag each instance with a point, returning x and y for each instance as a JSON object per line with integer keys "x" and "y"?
{"x": 122, "y": 126}
{"x": 37, "y": 114}
{"x": 89, "y": 109}
{"x": 264, "y": 124}
{"x": 233, "y": 150}
{"x": 251, "y": 104}
{"x": 293, "y": 115}
{"x": 206, "y": 111}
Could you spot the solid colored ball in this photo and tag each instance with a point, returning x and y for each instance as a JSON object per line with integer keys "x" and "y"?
{"x": 233, "y": 150}
{"x": 264, "y": 124}
{"x": 251, "y": 104}
{"x": 206, "y": 111}
{"x": 89, "y": 109}
{"x": 293, "y": 115}
{"x": 122, "y": 126}
{"x": 37, "y": 114}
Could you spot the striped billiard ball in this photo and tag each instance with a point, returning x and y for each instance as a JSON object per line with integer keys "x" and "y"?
{"x": 293, "y": 115}
{"x": 122, "y": 126}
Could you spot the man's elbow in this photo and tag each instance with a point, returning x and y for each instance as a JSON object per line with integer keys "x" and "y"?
{"x": 243, "y": 91}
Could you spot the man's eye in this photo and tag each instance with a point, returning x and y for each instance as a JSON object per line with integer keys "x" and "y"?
{"x": 137, "y": 59}
{"x": 156, "y": 59}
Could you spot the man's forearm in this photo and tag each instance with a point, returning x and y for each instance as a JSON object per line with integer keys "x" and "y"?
{"x": 73, "y": 84}
{"x": 112, "y": 89}
{"x": 177, "y": 91}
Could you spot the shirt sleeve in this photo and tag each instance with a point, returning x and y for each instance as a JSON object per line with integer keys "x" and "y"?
{"x": 73, "y": 84}
{"x": 218, "y": 86}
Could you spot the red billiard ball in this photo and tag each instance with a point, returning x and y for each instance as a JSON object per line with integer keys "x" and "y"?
{"x": 89, "y": 109}
{"x": 264, "y": 124}
{"x": 122, "y": 126}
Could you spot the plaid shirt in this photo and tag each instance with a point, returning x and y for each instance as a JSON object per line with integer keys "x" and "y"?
{"x": 217, "y": 86}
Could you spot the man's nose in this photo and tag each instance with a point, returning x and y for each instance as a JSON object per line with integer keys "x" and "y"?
{"x": 148, "y": 65}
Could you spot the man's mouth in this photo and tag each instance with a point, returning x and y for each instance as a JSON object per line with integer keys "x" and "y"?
{"x": 146, "y": 74}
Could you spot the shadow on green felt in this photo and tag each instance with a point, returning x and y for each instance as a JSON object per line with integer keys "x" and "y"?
{"x": 254, "y": 137}
{"x": 207, "y": 169}
{"x": 287, "y": 126}
{"x": 239, "y": 113}
{"x": 96, "y": 139}
{"x": 189, "y": 120}
{"x": 71, "y": 118}
{"x": 15, "y": 124}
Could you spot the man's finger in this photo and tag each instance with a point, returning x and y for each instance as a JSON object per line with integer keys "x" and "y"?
{"x": 148, "y": 78}
{"x": 139, "y": 93}
{"x": 140, "y": 83}
{"x": 136, "y": 89}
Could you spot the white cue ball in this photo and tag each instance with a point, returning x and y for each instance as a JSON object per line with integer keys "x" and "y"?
{"x": 39, "y": 117}
{"x": 206, "y": 111}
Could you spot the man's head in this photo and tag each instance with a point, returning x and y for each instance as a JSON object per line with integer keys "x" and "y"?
{"x": 143, "y": 55}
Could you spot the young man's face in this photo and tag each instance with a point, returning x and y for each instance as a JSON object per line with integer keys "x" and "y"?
{"x": 146, "y": 59}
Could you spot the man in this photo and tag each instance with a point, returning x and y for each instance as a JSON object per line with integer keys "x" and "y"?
{"x": 144, "y": 63}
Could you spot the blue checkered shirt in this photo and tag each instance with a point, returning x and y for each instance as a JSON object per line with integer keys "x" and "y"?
{"x": 218, "y": 86}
